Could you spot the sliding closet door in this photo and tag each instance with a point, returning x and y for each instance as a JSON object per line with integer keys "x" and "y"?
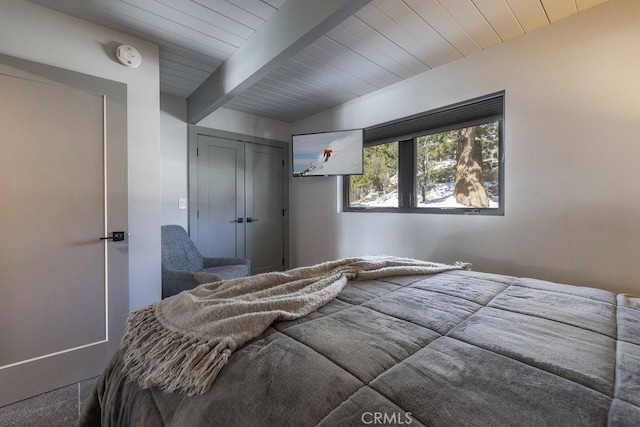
{"x": 264, "y": 207}
{"x": 63, "y": 186}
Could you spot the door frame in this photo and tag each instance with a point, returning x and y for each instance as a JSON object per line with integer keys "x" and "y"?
{"x": 57, "y": 370}
{"x": 192, "y": 181}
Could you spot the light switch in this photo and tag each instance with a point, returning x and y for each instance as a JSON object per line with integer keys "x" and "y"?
{"x": 182, "y": 203}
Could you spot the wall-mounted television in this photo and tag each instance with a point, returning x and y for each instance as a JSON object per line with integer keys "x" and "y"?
{"x": 328, "y": 153}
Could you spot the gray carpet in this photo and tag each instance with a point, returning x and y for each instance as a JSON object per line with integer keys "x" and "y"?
{"x": 57, "y": 408}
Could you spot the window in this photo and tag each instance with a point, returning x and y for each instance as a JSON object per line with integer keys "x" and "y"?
{"x": 444, "y": 161}
{"x": 378, "y": 185}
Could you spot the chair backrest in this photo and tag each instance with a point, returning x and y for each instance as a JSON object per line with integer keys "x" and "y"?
{"x": 178, "y": 251}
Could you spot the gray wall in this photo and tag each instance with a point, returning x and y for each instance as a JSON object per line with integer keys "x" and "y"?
{"x": 39, "y": 34}
{"x": 173, "y": 159}
{"x": 572, "y": 152}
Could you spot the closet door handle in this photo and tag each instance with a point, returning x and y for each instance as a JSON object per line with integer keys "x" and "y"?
{"x": 240, "y": 220}
{"x": 249, "y": 219}
{"x": 116, "y": 236}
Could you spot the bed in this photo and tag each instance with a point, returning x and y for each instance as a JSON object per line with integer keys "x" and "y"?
{"x": 453, "y": 348}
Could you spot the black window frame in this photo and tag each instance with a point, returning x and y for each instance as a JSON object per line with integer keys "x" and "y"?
{"x": 477, "y": 111}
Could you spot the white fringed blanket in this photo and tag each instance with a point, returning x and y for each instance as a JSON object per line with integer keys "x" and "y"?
{"x": 181, "y": 343}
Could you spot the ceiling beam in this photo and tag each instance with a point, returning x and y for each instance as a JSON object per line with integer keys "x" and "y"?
{"x": 297, "y": 24}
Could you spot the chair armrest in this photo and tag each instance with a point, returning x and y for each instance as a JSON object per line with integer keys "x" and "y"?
{"x": 202, "y": 277}
{"x": 175, "y": 281}
{"x": 219, "y": 262}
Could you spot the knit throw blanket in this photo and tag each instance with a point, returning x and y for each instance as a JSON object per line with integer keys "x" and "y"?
{"x": 181, "y": 343}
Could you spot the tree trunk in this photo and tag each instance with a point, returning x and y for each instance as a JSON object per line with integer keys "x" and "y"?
{"x": 469, "y": 189}
{"x": 425, "y": 176}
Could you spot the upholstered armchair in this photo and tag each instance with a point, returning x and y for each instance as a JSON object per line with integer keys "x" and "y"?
{"x": 184, "y": 268}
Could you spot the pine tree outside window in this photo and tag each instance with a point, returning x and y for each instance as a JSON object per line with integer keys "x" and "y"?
{"x": 378, "y": 185}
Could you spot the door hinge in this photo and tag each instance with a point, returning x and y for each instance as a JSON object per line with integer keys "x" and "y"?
{"x": 283, "y": 210}
{"x": 197, "y": 152}
{"x": 283, "y": 262}
{"x": 197, "y": 213}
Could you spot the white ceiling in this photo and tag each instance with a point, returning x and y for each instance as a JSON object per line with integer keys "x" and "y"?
{"x": 383, "y": 43}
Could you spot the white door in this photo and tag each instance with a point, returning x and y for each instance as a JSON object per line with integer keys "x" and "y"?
{"x": 239, "y": 202}
{"x": 63, "y": 186}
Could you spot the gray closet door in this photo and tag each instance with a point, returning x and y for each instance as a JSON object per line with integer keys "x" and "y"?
{"x": 220, "y": 206}
{"x": 239, "y": 206}
{"x": 264, "y": 207}
{"x": 63, "y": 186}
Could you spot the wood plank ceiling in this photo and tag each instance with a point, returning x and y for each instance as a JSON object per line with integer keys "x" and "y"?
{"x": 383, "y": 43}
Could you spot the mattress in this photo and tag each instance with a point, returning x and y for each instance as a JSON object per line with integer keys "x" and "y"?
{"x": 455, "y": 348}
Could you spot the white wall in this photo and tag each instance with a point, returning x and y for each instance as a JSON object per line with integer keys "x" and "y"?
{"x": 572, "y": 154}
{"x": 173, "y": 159}
{"x": 247, "y": 124}
{"x": 39, "y": 34}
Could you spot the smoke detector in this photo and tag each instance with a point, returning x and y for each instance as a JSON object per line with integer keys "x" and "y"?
{"x": 129, "y": 56}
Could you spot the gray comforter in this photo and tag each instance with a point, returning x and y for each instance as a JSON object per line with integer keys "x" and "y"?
{"x": 456, "y": 348}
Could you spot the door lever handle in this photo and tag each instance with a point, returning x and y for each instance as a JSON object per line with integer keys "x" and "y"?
{"x": 252, "y": 219}
{"x": 116, "y": 236}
